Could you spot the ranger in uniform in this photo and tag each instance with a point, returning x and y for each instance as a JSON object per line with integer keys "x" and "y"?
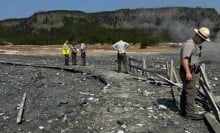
{"x": 189, "y": 68}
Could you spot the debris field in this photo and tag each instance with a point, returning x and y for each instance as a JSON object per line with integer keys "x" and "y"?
{"x": 89, "y": 99}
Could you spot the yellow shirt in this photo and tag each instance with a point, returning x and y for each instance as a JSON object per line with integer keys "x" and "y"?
{"x": 65, "y": 49}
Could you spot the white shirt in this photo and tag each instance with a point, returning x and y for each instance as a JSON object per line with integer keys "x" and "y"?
{"x": 120, "y": 46}
{"x": 82, "y": 48}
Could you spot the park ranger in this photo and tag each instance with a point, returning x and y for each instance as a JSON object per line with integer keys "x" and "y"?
{"x": 190, "y": 54}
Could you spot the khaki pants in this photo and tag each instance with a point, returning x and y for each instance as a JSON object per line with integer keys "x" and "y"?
{"x": 74, "y": 59}
{"x": 187, "y": 98}
{"x": 66, "y": 59}
{"x": 83, "y": 56}
{"x": 122, "y": 58}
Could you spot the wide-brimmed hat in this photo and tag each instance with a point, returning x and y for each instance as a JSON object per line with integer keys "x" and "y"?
{"x": 203, "y": 32}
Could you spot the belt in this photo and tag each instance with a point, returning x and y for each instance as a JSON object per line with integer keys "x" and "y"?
{"x": 193, "y": 68}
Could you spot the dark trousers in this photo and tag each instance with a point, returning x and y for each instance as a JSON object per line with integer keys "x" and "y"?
{"x": 122, "y": 58}
{"x": 66, "y": 59}
{"x": 74, "y": 58}
{"x": 83, "y": 56}
{"x": 187, "y": 98}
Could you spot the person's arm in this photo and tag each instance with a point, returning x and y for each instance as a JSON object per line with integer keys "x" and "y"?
{"x": 84, "y": 47}
{"x": 127, "y": 45}
{"x": 187, "y": 69}
{"x": 114, "y": 46}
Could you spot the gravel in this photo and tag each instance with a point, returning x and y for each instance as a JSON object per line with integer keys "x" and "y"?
{"x": 59, "y": 100}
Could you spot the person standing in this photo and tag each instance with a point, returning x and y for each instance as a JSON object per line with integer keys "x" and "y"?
{"x": 73, "y": 53}
{"x": 121, "y": 47}
{"x": 66, "y": 52}
{"x": 190, "y": 54}
{"x": 83, "y": 53}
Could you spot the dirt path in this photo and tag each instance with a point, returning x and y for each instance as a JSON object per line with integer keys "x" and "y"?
{"x": 93, "y": 49}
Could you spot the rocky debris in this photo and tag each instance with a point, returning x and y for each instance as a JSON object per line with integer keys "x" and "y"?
{"x": 66, "y": 101}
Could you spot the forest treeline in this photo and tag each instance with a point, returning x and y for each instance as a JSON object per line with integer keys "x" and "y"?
{"x": 145, "y": 26}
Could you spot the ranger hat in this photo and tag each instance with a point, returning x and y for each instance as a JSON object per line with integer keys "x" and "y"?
{"x": 203, "y": 32}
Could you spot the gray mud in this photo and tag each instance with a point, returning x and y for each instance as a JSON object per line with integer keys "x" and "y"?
{"x": 60, "y": 101}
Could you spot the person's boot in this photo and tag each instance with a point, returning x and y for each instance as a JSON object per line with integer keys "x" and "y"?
{"x": 182, "y": 113}
{"x": 194, "y": 116}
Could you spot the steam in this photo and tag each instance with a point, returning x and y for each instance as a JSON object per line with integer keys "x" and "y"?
{"x": 181, "y": 32}
{"x": 211, "y": 50}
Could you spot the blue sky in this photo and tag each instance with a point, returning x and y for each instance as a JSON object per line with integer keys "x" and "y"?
{"x": 25, "y": 8}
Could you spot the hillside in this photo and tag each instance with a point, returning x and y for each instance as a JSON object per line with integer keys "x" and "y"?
{"x": 146, "y": 26}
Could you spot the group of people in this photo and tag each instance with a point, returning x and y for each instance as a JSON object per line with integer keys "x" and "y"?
{"x": 121, "y": 47}
{"x": 190, "y": 59}
{"x": 67, "y": 50}
{"x": 190, "y": 55}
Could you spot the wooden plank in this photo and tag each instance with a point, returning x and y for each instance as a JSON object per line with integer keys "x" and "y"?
{"x": 144, "y": 71}
{"x": 144, "y": 68}
{"x": 155, "y": 62}
{"x": 179, "y": 85}
{"x": 129, "y": 65}
{"x": 135, "y": 60}
{"x": 171, "y": 70}
{"x": 168, "y": 70}
{"x": 135, "y": 66}
{"x": 207, "y": 90}
{"x": 213, "y": 122}
{"x": 20, "y": 113}
{"x": 155, "y": 71}
{"x": 175, "y": 75}
{"x": 144, "y": 64}
{"x": 203, "y": 74}
{"x": 215, "y": 108}
{"x": 201, "y": 91}
{"x": 171, "y": 79}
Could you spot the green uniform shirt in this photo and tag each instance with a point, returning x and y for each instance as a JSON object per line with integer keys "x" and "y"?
{"x": 192, "y": 51}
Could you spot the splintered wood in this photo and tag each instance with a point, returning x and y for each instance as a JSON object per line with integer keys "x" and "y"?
{"x": 213, "y": 118}
{"x": 137, "y": 66}
{"x": 179, "y": 85}
{"x": 215, "y": 125}
{"x": 20, "y": 113}
{"x": 206, "y": 88}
